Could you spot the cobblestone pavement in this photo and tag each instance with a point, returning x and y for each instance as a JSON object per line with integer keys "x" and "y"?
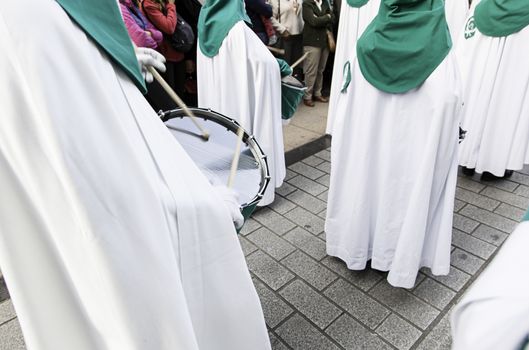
{"x": 313, "y": 302}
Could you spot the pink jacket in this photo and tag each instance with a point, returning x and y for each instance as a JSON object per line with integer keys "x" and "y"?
{"x": 141, "y": 31}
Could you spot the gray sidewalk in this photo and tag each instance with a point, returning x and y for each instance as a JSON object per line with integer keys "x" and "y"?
{"x": 312, "y": 301}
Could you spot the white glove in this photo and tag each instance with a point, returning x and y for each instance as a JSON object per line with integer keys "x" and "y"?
{"x": 230, "y": 199}
{"x": 149, "y": 57}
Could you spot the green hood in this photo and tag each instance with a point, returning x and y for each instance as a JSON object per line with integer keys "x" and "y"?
{"x": 501, "y": 17}
{"x": 101, "y": 20}
{"x": 216, "y": 19}
{"x": 404, "y": 44}
{"x": 357, "y": 3}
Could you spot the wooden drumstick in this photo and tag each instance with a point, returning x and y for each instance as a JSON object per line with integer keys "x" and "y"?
{"x": 276, "y": 50}
{"x": 178, "y": 101}
{"x": 236, "y": 156}
{"x": 299, "y": 61}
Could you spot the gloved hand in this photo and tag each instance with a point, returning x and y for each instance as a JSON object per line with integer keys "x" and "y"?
{"x": 149, "y": 57}
{"x": 230, "y": 199}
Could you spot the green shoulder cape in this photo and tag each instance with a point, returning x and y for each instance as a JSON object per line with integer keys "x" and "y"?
{"x": 501, "y": 17}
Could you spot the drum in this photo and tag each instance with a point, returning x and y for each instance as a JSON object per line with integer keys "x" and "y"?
{"x": 214, "y": 157}
{"x": 292, "y": 91}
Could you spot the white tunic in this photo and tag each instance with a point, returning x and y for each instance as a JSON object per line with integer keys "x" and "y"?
{"x": 456, "y": 13}
{"x": 243, "y": 82}
{"x": 496, "y": 92}
{"x": 393, "y": 176}
{"x": 110, "y": 237}
{"x": 353, "y": 22}
{"x": 494, "y": 313}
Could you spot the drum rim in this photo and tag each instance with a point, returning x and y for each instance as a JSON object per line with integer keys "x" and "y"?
{"x": 232, "y": 125}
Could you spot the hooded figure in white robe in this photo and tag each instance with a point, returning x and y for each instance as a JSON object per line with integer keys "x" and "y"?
{"x": 110, "y": 236}
{"x": 494, "y": 313}
{"x": 493, "y": 52}
{"x": 239, "y": 77}
{"x": 393, "y": 156}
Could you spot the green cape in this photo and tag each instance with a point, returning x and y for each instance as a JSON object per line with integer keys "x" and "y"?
{"x": 101, "y": 20}
{"x": 357, "y": 3}
{"x": 526, "y": 216}
{"x": 501, "y": 17}
{"x": 216, "y": 19}
{"x": 404, "y": 44}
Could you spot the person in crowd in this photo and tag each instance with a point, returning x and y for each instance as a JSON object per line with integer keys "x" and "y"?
{"x": 287, "y": 20}
{"x": 162, "y": 14}
{"x": 318, "y": 18}
{"x": 111, "y": 236}
{"x": 256, "y": 11}
{"x": 141, "y": 31}
{"x": 239, "y": 77}
{"x": 394, "y": 146}
{"x": 492, "y": 51}
{"x": 355, "y": 15}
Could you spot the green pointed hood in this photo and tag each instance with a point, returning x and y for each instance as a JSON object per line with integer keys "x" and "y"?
{"x": 101, "y": 20}
{"x": 501, "y": 17}
{"x": 216, "y": 19}
{"x": 357, "y": 3}
{"x": 404, "y": 44}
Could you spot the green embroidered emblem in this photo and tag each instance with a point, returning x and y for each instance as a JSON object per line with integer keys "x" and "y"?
{"x": 470, "y": 28}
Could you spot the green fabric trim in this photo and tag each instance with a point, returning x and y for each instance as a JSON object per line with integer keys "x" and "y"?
{"x": 284, "y": 68}
{"x": 404, "y": 44}
{"x": 501, "y": 17}
{"x": 347, "y": 74}
{"x": 357, "y": 3}
{"x": 526, "y": 216}
{"x": 102, "y": 22}
{"x": 216, "y": 19}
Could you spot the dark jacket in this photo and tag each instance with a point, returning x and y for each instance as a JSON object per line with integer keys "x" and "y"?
{"x": 316, "y": 23}
{"x": 255, "y": 9}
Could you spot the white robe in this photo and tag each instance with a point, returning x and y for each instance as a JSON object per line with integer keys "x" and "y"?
{"x": 456, "y": 14}
{"x": 110, "y": 237}
{"x": 243, "y": 82}
{"x": 353, "y": 22}
{"x": 494, "y": 313}
{"x": 393, "y": 176}
{"x": 496, "y": 93}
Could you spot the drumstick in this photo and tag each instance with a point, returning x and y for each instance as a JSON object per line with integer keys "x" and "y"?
{"x": 178, "y": 101}
{"x": 299, "y": 61}
{"x": 236, "y": 156}
{"x": 276, "y": 50}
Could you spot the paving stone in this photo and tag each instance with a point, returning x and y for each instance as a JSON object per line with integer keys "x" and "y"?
{"x": 522, "y": 191}
{"x": 464, "y": 224}
{"x": 285, "y": 189}
{"x": 323, "y": 196}
{"x": 247, "y": 246}
{"x": 325, "y": 167}
{"x": 4, "y": 293}
{"x": 507, "y": 197}
{"x": 11, "y": 336}
{"x": 324, "y": 180}
{"x": 438, "y": 338}
{"x": 313, "y": 161}
{"x": 399, "y": 332}
{"x": 364, "y": 279}
{"x": 311, "y": 271}
{"x": 268, "y": 270}
{"x": 456, "y": 279}
{"x": 466, "y": 261}
{"x": 488, "y": 218}
{"x": 406, "y": 304}
{"x": 271, "y": 243}
{"x": 307, "y": 242}
{"x": 306, "y": 170}
{"x": 361, "y": 306}
{"x": 275, "y": 310}
{"x": 505, "y": 185}
{"x": 489, "y": 234}
{"x": 510, "y": 212}
{"x": 310, "y": 222}
{"x": 468, "y": 184}
{"x": 325, "y": 155}
{"x": 434, "y": 293}
{"x": 310, "y": 303}
{"x": 7, "y": 312}
{"x": 290, "y": 174}
{"x": 476, "y": 199}
{"x": 458, "y": 205}
{"x": 250, "y": 225}
{"x": 273, "y": 221}
{"x": 520, "y": 178}
{"x": 306, "y": 201}
{"x": 282, "y": 205}
{"x": 307, "y": 185}
{"x": 323, "y": 236}
{"x": 472, "y": 245}
{"x": 276, "y": 343}
{"x": 299, "y": 334}
{"x": 353, "y": 336}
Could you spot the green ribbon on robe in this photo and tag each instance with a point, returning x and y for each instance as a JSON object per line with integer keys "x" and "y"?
{"x": 216, "y": 19}
{"x": 102, "y": 22}
{"x": 501, "y": 17}
{"x": 357, "y": 3}
{"x": 404, "y": 44}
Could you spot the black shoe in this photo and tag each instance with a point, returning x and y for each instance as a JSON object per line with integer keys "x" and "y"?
{"x": 508, "y": 173}
{"x": 486, "y": 176}
{"x": 468, "y": 171}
